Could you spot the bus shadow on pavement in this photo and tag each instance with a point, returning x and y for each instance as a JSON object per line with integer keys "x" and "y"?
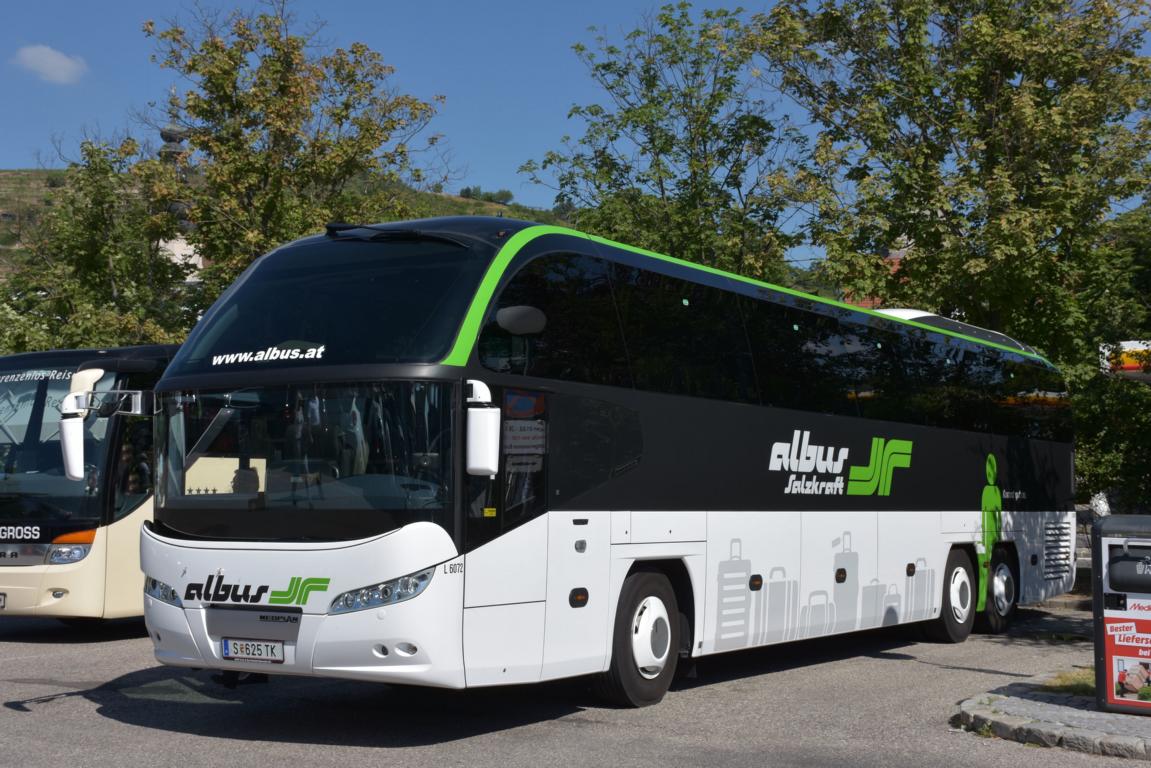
{"x": 317, "y": 711}
{"x": 72, "y": 631}
{"x": 748, "y": 663}
{"x": 1039, "y": 627}
{"x": 350, "y": 713}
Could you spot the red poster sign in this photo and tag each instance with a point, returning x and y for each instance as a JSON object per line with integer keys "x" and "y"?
{"x": 1129, "y": 661}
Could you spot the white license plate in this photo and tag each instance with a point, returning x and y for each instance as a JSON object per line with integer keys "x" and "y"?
{"x": 3, "y": 600}
{"x": 253, "y": 650}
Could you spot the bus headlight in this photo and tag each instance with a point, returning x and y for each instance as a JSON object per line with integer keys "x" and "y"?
{"x": 162, "y": 592}
{"x": 70, "y": 547}
{"x": 63, "y": 554}
{"x": 383, "y": 593}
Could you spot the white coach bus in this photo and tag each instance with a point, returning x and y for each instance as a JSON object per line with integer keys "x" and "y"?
{"x": 69, "y": 549}
{"x": 469, "y": 452}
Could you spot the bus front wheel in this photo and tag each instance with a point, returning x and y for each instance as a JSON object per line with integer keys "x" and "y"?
{"x": 959, "y": 599}
{"x": 645, "y": 642}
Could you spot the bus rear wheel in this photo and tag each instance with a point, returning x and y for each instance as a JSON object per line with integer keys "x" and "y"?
{"x": 645, "y": 642}
{"x": 1002, "y": 592}
{"x": 959, "y": 599}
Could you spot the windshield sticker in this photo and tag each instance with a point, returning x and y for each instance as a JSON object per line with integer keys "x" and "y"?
{"x": 9, "y": 378}
{"x": 269, "y": 355}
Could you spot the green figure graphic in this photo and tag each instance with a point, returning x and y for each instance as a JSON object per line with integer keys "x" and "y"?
{"x": 992, "y": 505}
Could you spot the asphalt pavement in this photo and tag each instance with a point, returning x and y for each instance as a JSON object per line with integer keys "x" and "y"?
{"x": 95, "y": 696}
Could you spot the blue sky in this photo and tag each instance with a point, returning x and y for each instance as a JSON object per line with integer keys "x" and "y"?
{"x": 506, "y": 67}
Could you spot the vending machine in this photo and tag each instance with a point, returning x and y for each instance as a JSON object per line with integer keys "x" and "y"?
{"x": 1121, "y": 570}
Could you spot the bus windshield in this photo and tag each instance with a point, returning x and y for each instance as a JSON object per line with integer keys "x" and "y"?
{"x": 338, "y": 302}
{"x": 32, "y": 482}
{"x": 304, "y": 463}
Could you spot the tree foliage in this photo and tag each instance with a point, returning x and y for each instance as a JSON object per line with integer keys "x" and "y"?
{"x": 502, "y": 196}
{"x": 283, "y": 138}
{"x": 682, "y": 158}
{"x": 95, "y": 274}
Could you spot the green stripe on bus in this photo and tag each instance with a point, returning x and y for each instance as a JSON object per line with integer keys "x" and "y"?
{"x": 470, "y": 329}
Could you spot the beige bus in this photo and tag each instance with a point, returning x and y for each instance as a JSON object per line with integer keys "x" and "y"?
{"x": 69, "y": 549}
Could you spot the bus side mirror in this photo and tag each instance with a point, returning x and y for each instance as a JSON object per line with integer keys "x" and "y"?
{"x": 483, "y": 442}
{"x": 72, "y": 412}
{"x": 521, "y": 320}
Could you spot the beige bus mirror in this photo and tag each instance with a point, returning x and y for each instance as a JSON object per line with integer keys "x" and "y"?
{"x": 73, "y": 409}
{"x": 483, "y": 425}
{"x": 521, "y": 320}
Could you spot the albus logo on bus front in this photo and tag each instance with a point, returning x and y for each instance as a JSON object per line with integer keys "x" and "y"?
{"x": 215, "y": 590}
{"x": 817, "y": 470}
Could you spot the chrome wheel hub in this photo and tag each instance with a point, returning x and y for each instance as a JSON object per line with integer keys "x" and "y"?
{"x": 1003, "y": 589}
{"x": 650, "y": 637}
{"x": 959, "y": 591}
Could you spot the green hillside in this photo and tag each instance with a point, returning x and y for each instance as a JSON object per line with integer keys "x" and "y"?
{"x": 25, "y": 194}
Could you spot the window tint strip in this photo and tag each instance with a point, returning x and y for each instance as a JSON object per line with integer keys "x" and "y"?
{"x": 469, "y": 330}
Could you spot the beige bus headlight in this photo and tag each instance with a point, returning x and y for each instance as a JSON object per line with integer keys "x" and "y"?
{"x": 70, "y": 547}
{"x": 383, "y": 593}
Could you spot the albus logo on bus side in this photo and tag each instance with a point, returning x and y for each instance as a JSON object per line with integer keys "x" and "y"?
{"x": 817, "y": 470}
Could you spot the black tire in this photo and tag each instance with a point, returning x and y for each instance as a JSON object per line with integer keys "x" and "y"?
{"x": 957, "y": 617}
{"x": 1002, "y": 592}
{"x": 647, "y": 616}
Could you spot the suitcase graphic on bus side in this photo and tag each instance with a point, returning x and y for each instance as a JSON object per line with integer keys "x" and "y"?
{"x": 818, "y": 616}
{"x": 892, "y": 605}
{"x": 920, "y": 591}
{"x": 759, "y": 615}
{"x": 846, "y": 594}
{"x": 782, "y": 607}
{"x": 733, "y": 601}
{"x": 871, "y": 606}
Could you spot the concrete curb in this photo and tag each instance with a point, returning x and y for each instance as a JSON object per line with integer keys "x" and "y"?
{"x": 986, "y": 715}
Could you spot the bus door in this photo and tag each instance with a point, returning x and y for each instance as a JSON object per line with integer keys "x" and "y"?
{"x": 506, "y": 540}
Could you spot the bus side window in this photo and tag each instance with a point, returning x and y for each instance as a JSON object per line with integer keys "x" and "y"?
{"x": 519, "y": 492}
{"x": 684, "y": 338}
{"x": 580, "y": 337}
{"x": 133, "y": 467}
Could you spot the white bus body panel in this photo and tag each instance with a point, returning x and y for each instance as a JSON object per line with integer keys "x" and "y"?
{"x": 577, "y": 640}
{"x": 743, "y": 544}
{"x": 912, "y": 558}
{"x": 511, "y": 568}
{"x": 504, "y": 593}
{"x": 503, "y": 644}
{"x": 347, "y": 645}
{"x": 658, "y": 527}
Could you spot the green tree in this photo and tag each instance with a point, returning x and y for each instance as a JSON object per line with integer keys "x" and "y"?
{"x": 989, "y": 143}
{"x": 682, "y": 158}
{"x": 283, "y": 138}
{"x": 95, "y": 274}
